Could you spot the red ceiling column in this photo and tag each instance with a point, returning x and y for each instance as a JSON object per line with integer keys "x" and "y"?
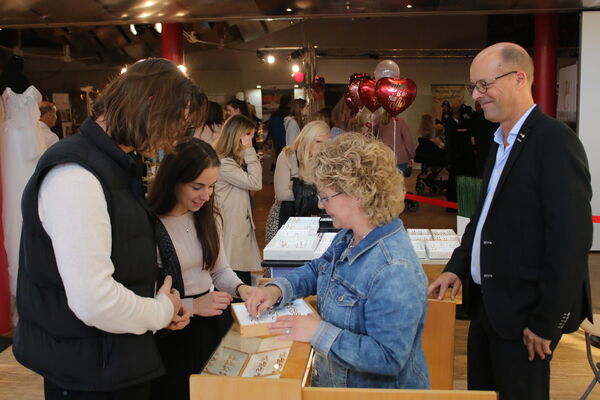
{"x": 171, "y": 41}
{"x": 544, "y": 60}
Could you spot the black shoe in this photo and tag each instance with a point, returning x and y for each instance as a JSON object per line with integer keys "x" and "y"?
{"x": 595, "y": 341}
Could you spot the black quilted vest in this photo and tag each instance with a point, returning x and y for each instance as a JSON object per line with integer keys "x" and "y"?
{"x": 49, "y": 338}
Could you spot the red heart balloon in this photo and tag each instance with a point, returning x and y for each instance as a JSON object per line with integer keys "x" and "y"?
{"x": 353, "y": 92}
{"x": 366, "y": 92}
{"x": 395, "y": 94}
{"x": 354, "y": 107}
{"x": 359, "y": 75}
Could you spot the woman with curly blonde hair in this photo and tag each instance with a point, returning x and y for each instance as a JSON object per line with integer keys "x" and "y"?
{"x": 371, "y": 288}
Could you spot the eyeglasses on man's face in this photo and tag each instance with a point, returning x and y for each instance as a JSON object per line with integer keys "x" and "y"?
{"x": 324, "y": 200}
{"x": 482, "y": 85}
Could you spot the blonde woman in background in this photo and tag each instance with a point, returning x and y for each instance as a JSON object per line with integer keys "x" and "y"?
{"x": 294, "y": 122}
{"x": 240, "y": 173}
{"x": 435, "y": 133}
{"x": 293, "y": 163}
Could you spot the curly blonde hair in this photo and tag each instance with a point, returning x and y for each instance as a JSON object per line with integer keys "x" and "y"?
{"x": 364, "y": 168}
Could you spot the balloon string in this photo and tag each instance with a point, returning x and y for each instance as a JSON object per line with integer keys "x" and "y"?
{"x": 372, "y": 126}
{"x": 395, "y": 136}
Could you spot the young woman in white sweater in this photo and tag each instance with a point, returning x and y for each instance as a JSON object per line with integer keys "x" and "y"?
{"x": 182, "y": 197}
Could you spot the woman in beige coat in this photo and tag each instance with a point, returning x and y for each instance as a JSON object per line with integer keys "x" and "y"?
{"x": 240, "y": 173}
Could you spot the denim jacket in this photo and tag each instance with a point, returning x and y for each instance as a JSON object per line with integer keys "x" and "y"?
{"x": 372, "y": 300}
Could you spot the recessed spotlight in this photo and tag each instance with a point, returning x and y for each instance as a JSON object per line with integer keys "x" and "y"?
{"x": 270, "y": 59}
{"x": 269, "y": 19}
{"x": 409, "y": 6}
{"x": 180, "y": 14}
{"x": 288, "y": 9}
{"x": 295, "y": 68}
{"x": 123, "y": 70}
{"x": 144, "y": 15}
{"x": 296, "y": 86}
{"x": 124, "y": 15}
{"x": 258, "y": 86}
{"x": 148, "y": 4}
{"x": 161, "y": 14}
{"x": 291, "y": 22}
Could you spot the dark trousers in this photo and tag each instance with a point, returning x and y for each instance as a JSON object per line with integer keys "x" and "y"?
{"x": 495, "y": 363}
{"x": 183, "y": 353}
{"x": 138, "y": 392}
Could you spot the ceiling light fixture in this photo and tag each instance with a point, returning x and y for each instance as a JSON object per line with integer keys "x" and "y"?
{"x": 288, "y": 9}
{"x": 295, "y": 68}
{"x": 158, "y": 27}
{"x": 148, "y": 4}
{"x": 409, "y": 6}
{"x": 296, "y": 86}
{"x": 270, "y": 58}
{"x": 258, "y": 86}
{"x": 133, "y": 29}
{"x": 123, "y": 70}
{"x": 182, "y": 68}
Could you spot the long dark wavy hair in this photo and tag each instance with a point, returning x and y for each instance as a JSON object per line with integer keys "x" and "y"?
{"x": 184, "y": 164}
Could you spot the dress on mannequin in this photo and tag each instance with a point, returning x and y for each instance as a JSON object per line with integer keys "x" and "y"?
{"x": 21, "y": 145}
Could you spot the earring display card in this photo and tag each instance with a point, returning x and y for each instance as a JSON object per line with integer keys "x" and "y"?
{"x": 225, "y": 361}
{"x": 267, "y": 363}
{"x": 248, "y": 357}
{"x": 252, "y": 326}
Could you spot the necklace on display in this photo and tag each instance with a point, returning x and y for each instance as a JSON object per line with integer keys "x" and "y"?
{"x": 353, "y": 245}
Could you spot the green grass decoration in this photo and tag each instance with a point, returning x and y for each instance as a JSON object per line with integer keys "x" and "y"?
{"x": 467, "y": 189}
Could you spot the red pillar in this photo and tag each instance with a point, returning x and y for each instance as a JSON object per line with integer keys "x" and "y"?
{"x": 171, "y": 41}
{"x": 544, "y": 60}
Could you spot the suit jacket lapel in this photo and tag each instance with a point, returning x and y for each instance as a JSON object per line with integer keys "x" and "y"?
{"x": 520, "y": 141}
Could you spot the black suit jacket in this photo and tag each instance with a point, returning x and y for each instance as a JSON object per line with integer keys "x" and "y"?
{"x": 536, "y": 237}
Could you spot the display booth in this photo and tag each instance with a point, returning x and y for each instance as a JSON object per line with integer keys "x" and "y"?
{"x": 293, "y": 383}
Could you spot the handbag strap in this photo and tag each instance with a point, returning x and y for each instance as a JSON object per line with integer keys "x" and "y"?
{"x": 168, "y": 255}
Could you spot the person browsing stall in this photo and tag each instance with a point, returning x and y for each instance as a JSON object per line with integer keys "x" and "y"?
{"x": 88, "y": 267}
{"x": 371, "y": 289}
{"x": 192, "y": 251}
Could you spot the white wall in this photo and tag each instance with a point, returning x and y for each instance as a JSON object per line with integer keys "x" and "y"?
{"x": 589, "y": 107}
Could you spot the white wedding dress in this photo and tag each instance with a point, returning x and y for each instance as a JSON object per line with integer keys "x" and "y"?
{"x": 21, "y": 145}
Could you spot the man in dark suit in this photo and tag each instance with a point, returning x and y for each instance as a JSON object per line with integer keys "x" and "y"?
{"x": 524, "y": 256}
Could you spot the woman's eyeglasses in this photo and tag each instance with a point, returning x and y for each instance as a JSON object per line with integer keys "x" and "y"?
{"x": 326, "y": 199}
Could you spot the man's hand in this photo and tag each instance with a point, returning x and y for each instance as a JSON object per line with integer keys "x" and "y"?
{"x": 183, "y": 319}
{"x": 446, "y": 280}
{"x": 172, "y": 294}
{"x": 536, "y": 345}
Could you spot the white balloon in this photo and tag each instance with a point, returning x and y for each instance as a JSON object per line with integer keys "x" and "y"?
{"x": 387, "y": 69}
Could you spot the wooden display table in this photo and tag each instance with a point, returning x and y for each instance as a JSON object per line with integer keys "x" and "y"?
{"x": 438, "y": 346}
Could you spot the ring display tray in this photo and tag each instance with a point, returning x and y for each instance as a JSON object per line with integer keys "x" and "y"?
{"x": 252, "y": 326}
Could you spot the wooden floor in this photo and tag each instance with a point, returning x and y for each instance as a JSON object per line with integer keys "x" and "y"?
{"x": 571, "y": 373}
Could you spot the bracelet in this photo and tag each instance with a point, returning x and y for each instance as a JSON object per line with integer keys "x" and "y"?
{"x": 237, "y": 293}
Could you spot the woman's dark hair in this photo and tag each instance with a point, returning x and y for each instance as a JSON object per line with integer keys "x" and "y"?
{"x": 150, "y": 106}
{"x": 214, "y": 116}
{"x": 240, "y": 105}
{"x": 187, "y": 161}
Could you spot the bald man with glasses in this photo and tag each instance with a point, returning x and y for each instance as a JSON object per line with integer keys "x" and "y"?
{"x": 523, "y": 260}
